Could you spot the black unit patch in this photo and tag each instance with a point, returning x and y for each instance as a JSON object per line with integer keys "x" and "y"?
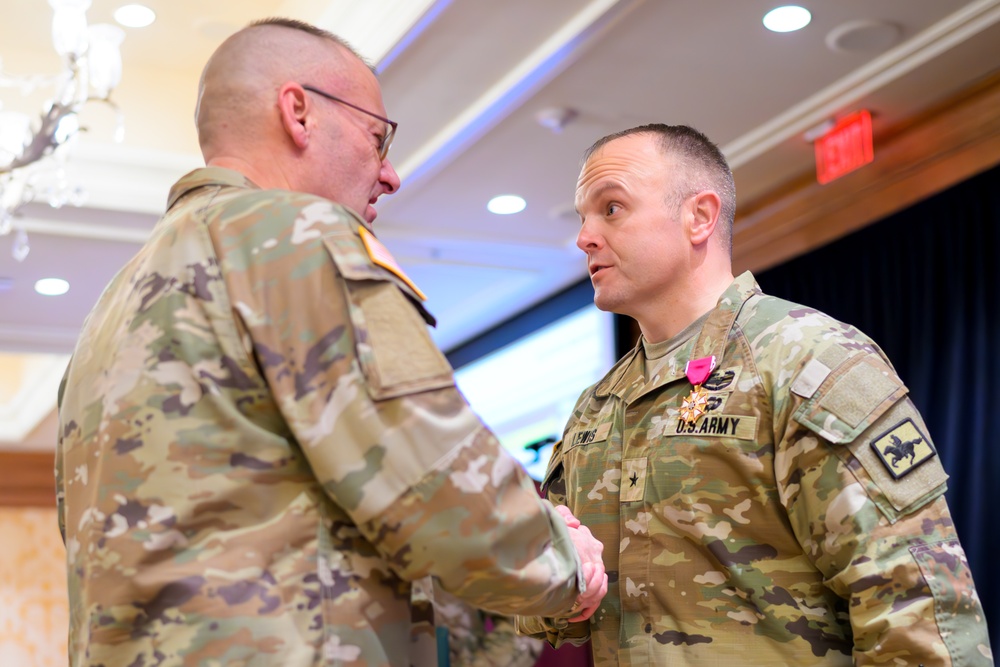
{"x": 902, "y": 448}
{"x": 720, "y": 380}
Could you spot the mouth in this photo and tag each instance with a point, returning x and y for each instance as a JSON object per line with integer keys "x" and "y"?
{"x": 596, "y": 268}
{"x": 370, "y": 212}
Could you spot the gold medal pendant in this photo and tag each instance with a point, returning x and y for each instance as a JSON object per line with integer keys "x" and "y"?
{"x": 694, "y": 405}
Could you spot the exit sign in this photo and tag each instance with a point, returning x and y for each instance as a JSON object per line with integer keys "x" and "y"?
{"x": 845, "y": 147}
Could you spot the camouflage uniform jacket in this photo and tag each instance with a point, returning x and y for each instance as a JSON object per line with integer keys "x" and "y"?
{"x": 260, "y": 447}
{"x": 799, "y": 521}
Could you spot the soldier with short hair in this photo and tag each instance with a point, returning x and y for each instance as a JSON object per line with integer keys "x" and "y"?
{"x": 765, "y": 489}
{"x": 260, "y": 447}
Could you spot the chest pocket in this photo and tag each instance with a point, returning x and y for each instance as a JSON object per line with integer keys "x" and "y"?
{"x": 591, "y": 454}
{"x": 393, "y": 346}
{"x": 574, "y": 450}
{"x": 554, "y": 484}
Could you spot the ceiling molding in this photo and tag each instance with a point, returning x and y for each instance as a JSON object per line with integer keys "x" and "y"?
{"x": 888, "y": 67}
{"x": 84, "y": 230}
{"x": 55, "y": 340}
{"x": 102, "y": 169}
{"x": 373, "y": 28}
{"x": 544, "y": 63}
{"x": 431, "y": 13}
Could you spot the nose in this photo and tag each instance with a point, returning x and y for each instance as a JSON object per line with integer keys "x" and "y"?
{"x": 388, "y": 177}
{"x": 588, "y": 239}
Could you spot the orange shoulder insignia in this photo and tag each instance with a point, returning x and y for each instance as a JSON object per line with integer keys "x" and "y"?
{"x": 380, "y": 255}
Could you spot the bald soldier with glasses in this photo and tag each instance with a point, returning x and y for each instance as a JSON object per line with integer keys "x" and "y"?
{"x": 260, "y": 446}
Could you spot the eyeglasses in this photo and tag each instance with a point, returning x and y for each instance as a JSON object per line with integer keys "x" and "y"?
{"x": 384, "y": 141}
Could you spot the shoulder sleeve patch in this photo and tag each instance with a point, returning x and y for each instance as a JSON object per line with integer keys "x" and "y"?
{"x": 897, "y": 483}
{"x": 902, "y": 448}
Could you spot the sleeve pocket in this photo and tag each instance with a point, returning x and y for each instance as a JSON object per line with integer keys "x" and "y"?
{"x": 858, "y": 405}
{"x": 394, "y": 348}
{"x": 850, "y": 399}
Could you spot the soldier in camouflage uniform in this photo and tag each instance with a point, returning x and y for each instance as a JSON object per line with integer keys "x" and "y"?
{"x": 766, "y": 491}
{"x": 260, "y": 446}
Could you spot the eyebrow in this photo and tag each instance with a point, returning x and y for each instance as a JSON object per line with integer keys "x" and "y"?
{"x": 602, "y": 189}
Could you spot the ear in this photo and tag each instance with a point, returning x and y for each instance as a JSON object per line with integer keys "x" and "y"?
{"x": 294, "y": 109}
{"x": 704, "y": 209}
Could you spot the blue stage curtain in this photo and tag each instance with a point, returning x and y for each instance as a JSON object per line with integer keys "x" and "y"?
{"x": 924, "y": 283}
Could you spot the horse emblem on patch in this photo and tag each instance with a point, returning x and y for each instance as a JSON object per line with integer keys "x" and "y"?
{"x": 902, "y": 448}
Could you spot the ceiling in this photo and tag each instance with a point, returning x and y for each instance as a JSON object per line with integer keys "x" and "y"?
{"x": 474, "y": 86}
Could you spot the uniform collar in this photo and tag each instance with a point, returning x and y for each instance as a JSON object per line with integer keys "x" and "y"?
{"x": 628, "y": 377}
{"x": 220, "y": 176}
{"x": 205, "y": 177}
{"x": 712, "y": 339}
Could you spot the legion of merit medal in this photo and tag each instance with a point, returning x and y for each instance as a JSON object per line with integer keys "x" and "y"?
{"x": 697, "y": 371}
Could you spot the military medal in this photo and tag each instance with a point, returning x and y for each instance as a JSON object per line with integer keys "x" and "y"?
{"x": 697, "y": 371}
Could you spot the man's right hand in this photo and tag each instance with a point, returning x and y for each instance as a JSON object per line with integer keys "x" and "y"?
{"x": 590, "y": 549}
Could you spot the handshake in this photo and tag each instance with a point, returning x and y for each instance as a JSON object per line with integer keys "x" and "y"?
{"x": 590, "y": 550}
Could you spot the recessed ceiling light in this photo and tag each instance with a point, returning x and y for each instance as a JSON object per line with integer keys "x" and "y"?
{"x": 863, "y": 35}
{"x": 51, "y": 286}
{"x": 787, "y": 18}
{"x": 506, "y": 204}
{"x": 135, "y": 16}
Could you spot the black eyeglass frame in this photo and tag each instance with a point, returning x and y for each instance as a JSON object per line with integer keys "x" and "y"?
{"x": 383, "y": 148}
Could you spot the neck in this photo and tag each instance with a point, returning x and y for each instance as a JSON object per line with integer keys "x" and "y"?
{"x": 683, "y": 304}
{"x": 265, "y": 178}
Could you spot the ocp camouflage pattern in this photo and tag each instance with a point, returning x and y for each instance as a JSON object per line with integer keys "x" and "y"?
{"x": 260, "y": 447}
{"x": 475, "y": 637}
{"x": 768, "y": 531}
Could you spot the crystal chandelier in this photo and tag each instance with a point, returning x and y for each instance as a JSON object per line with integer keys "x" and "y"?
{"x": 33, "y": 155}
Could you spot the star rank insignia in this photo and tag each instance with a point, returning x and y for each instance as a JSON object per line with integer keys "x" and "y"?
{"x": 633, "y": 470}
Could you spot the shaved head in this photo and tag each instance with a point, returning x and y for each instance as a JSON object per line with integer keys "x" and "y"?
{"x": 291, "y": 106}
{"x": 243, "y": 75}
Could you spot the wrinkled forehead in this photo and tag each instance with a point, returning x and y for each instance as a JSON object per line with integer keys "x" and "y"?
{"x": 623, "y": 164}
